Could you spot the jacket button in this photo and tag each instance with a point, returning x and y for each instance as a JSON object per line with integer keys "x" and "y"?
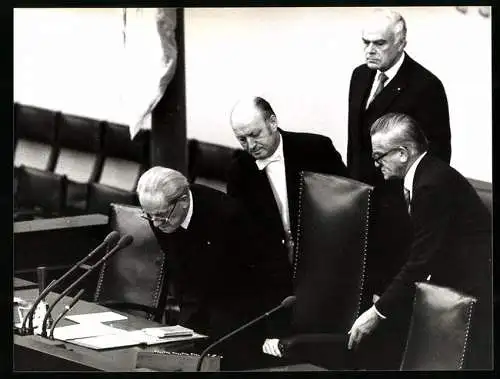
{"x": 282, "y": 242}
{"x": 209, "y": 243}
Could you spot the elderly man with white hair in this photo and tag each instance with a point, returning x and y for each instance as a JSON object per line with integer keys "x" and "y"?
{"x": 390, "y": 81}
{"x": 211, "y": 259}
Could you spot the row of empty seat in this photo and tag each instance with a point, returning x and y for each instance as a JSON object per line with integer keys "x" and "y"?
{"x": 67, "y": 160}
{"x": 68, "y": 165}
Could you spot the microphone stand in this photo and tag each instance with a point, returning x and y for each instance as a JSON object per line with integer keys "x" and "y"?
{"x": 124, "y": 241}
{"x": 109, "y": 240}
{"x": 67, "y": 308}
{"x": 287, "y": 302}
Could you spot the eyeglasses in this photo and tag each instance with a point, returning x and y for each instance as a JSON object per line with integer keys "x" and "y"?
{"x": 378, "y": 158}
{"x": 160, "y": 217}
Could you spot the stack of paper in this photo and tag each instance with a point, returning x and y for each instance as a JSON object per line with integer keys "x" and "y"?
{"x": 92, "y": 333}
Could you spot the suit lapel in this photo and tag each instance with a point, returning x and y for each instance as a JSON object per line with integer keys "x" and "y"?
{"x": 395, "y": 87}
{"x": 361, "y": 90}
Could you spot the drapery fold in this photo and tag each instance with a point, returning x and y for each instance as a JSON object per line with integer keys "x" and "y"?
{"x": 150, "y": 57}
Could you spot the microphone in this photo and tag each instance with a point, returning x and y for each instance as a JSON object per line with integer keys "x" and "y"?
{"x": 122, "y": 243}
{"x": 110, "y": 240}
{"x": 67, "y": 308}
{"x": 286, "y": 303}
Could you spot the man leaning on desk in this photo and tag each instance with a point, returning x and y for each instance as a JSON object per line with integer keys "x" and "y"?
{"x": 210, "y": 259}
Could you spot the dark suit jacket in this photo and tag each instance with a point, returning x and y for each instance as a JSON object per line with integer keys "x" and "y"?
{"x": 451, "y": 237}
{"x": 248, "y": 184}
{"x": 414, "y": 91}
{"x": 210, "y": 264}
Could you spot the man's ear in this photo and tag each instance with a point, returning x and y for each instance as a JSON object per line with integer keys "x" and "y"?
{"x": 273, "y": 123}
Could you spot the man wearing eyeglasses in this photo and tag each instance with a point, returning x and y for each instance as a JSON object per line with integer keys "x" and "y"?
{"x": 391, "y": 81}
{"x": 451, "y": 243}
{"x": 210, "y": 257}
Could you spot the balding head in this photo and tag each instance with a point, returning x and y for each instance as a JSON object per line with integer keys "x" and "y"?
{"x": 384, "y": 37}
{"x": 255, "y": 126}
{"x": 160, "y": 190}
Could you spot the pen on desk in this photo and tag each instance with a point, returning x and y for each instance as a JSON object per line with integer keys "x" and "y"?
{"x": 67, "y": 308}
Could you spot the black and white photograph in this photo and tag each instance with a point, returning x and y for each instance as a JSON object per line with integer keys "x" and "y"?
{"x": 253, "y": 189}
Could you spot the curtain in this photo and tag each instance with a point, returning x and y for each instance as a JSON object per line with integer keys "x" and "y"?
{"x": 150, "y": 56}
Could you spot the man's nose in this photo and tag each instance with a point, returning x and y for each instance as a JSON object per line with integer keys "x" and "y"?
{"x": 370, "y": 48}
{"x": 157, "y": 222}
{"x": 250, "y": 143}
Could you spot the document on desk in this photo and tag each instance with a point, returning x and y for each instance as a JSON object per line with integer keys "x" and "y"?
{"x": 130, "y": 338}
{"x": 96, "y": 317}
{"x": 71, "y": 332}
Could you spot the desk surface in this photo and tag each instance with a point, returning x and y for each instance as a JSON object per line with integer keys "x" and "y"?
{"x": 119, "y": 359}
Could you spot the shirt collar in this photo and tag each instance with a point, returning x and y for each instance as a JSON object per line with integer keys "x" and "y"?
{"x": 187, "y": 220}
{"x": 408, "y": 180}
{"x": 391, "y": 72}
{"x": 276, "y": 156}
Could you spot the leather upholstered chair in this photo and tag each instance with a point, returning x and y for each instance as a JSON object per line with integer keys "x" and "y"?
{"x": 39, "y": 194}
{"x": 124, "y": 160}
{"x": 35, "y": 132}
{"x": 133, "y": 278}
{"x": 100, "y": 196}
{"x": 79, "y": 141}
{"x": 208, "y": 163}
{"x": 332, "y": 242}
{"x": 439, "y": 333}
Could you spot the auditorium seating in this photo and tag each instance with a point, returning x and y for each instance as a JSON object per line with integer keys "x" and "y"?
{"x": 79, "y": 142}
{"x": 439, "y": 335}
{"x": 35, "y": 135}
{"x": 40, "y": 194}
{"x": 208, "y": 163}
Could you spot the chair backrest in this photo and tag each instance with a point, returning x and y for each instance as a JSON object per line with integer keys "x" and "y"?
{"x": 41, "y": 189}
{"x": 332, "y": 242}
{"x": 208, "y": 163}
{"x": 102, "y": 196}
{"x": 438, "y": 338}
{"x": 79, "y": 141}
{"x": 133, "y": 277}
{"x": 124, "y": 160}
{"x": 35, "y": 131}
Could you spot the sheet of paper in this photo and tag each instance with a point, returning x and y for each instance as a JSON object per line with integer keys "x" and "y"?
{"x": 109, "y": 341}
{"x": 96, "y": 317}
{"x": 71, "y": 332}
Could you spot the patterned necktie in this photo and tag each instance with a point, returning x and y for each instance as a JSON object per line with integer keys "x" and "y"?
{"x": 407, "y": 199}
{"x": 382, "y": 78}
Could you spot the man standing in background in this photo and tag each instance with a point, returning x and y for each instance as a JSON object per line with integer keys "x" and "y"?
{"x": 391, "y": 81}
{"x": 265, "y": 179}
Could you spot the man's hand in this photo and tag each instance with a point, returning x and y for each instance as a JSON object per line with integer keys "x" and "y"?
{"x": 364, "y": 325}
{"x": 271, "y": 347}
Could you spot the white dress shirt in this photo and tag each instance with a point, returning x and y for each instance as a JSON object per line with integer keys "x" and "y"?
{"x": 408, "y": 180}
{"x": 390, "y": 73}
{"x": 275, "y": 171}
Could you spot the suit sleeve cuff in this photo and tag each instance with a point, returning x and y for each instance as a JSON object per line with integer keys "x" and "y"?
{"x": 380, "y": 314}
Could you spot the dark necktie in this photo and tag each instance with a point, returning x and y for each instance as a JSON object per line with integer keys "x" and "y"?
{"x": 382, "y": 78}
{"x": 407, "y": 199}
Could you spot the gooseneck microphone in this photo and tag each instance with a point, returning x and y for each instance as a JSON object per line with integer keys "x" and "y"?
{"x": 109, "y": 241}
{"x": 122, "y": 243}
{"x": 286, "y": 303}
{"x": 67, "y": 308}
